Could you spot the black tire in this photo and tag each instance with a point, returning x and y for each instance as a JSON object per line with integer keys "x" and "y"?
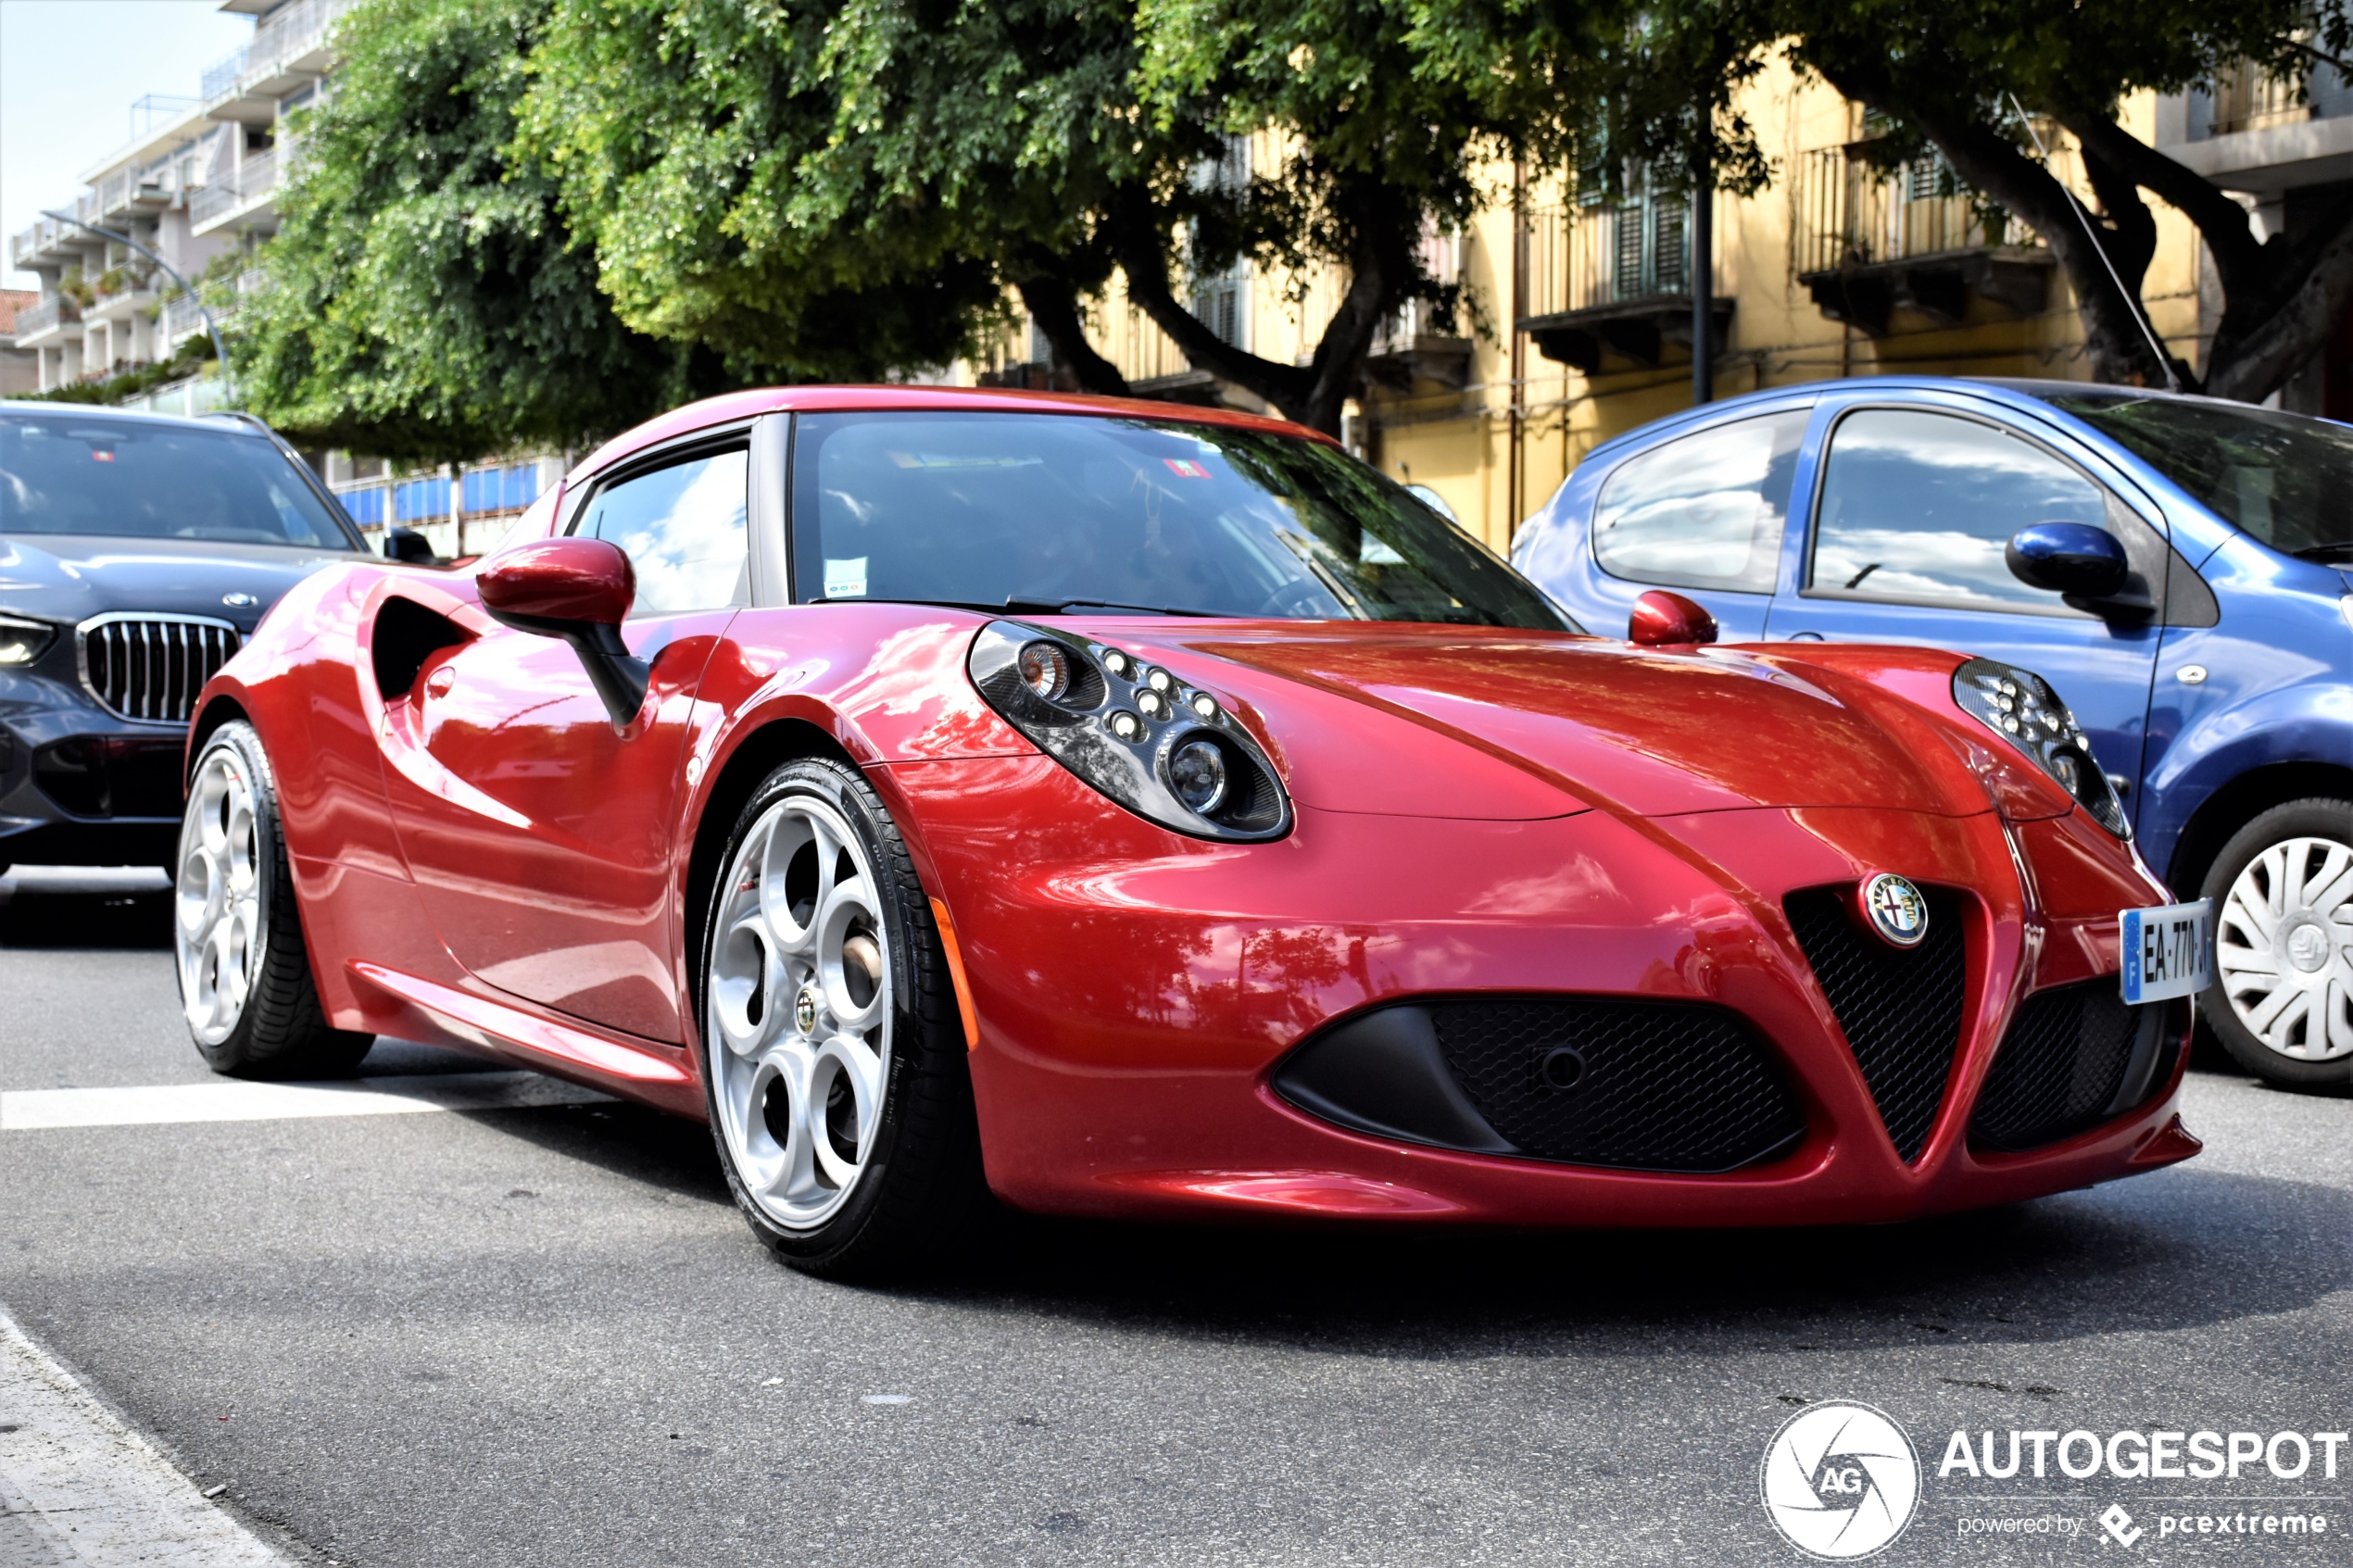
{"x": 919, "y": 1193}
{"x": 279, "y": 1029}
{"x": 2330, "y": 820}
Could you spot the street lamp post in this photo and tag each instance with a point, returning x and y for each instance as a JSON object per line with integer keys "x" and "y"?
{"x": 219, "y": 350}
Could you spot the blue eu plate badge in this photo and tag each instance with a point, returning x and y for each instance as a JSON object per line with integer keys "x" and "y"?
{"x": 2167, "y": 951}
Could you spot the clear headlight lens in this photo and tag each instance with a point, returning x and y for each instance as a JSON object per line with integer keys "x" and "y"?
{"x": 22, "y": 641}
{"x": 1165, "y": 750}
{"x": 2021, "y": 706}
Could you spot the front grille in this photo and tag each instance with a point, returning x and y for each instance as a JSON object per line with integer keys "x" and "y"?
{"x": 1642, "y": 1086}
{"x": 1901, "y": 1010}
{"x": 2061, "y": 1066}
{"x": 152, "y": 666}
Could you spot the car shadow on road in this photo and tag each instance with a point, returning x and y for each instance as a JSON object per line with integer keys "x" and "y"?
{"x": 2172, "y": 1250}
{"x": 113, "y": 913}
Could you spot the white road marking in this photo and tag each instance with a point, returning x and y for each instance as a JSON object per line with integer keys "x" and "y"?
{"x": 229, "y": 1099}
{"x": 93, "y": 1492}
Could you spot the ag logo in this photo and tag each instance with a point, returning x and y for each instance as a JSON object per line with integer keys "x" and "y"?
{"x": 1896, "y": 909}
{"x": 1840, "y": 1480}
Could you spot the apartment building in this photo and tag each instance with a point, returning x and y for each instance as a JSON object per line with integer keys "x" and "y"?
{"x": 196, "y": 186}
{"x": 1580, "y": 325}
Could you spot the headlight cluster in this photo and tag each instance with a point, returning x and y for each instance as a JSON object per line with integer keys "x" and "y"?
{"x": 22, "y": 641}
{"x": 1166, "y": 750}
{"x": 2021, "y": 708}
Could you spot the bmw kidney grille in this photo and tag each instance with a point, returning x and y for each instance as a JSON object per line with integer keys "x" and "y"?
{"x": 150, "y": 667}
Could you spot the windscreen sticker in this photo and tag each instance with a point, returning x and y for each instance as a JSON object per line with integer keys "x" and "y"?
{"x": 1185, "y": 468}
{"x": 845, "y": 578}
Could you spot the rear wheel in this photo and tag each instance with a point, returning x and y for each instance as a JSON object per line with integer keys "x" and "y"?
{"x": 245, "y": 973}
{"x": 834, "y": 1060}
{"x": 2281, "y": 1001}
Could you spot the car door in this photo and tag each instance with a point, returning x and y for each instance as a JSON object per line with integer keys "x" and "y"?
{"x": 1701, "y": 513}
{"x": 541, "y": 835}
{"x": 1904, "y": 543}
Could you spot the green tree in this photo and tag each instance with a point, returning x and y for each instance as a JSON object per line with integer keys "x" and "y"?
{"x": 426, "y": 301}
{"x": 735, "y": 165}
{"x": 1955, "y": 74}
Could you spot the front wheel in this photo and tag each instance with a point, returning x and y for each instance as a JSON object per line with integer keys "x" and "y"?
{"x": 245, "y": 973}
{"x": 833, "y": 1057}
{"x": 2281, "y": 1001}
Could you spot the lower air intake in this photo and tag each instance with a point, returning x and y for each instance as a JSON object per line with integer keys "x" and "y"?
{"x": 1635, "y": 1085}
{"x": 1901, "y": 1010}
{"x": 2075, "y": 1056}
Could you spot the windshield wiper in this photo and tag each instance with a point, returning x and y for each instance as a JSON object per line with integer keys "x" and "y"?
{"x": 2322, "y": 552}
{"x": 1056, "y": 607}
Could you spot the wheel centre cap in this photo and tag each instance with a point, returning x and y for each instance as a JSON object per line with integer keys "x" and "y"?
{"x": 804, "y": 1009}
{"x": 2308, "y": 947}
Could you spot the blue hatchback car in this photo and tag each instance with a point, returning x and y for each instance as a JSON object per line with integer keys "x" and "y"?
{"x": 2181, "y": 569}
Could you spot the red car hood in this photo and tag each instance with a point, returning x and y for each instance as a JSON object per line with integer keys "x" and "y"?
{"x": 1450, "y": 722}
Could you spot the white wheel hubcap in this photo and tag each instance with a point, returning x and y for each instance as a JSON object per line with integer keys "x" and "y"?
{"x": 2285, "y": 947}
{"x": 217, "y": 925}
{"x": 798, "y": 1027}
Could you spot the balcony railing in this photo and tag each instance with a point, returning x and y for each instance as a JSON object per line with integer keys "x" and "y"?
{"x": 221, "y": 77}
{"x": 244, "y": 185}
{"x": 2248, "y": 98}
{"x": 39, "y": 318}
{"x": 1597, "y": 254}
{"x": 1850, "y": 212}
{"x": 289, "y": 35}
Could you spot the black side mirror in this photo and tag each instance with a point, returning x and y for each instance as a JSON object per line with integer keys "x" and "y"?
{"x": 408, "y": 546}
{"x": 2073, "y": 559}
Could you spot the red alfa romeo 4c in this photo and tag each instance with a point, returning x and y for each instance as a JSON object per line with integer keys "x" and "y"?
{"x": 1131, "y": 810}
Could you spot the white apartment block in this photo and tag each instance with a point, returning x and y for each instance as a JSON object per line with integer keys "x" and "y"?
{"x": 198, "y": 187}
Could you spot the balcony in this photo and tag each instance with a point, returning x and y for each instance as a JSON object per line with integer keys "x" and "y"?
{"x": 290, "y": 49}
{"x": 1872, "y": 241}
{"x": 54, "y": 320}
{"x": 240, "y": 194}
{"x": 1418, "y": 349}
{"x": 130, "y": 192}
{"x": 1609, "y": 283}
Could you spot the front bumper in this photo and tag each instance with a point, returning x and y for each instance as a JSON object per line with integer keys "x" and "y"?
{"x": 1137, "y": 992}
{"x": 80, "y": 786}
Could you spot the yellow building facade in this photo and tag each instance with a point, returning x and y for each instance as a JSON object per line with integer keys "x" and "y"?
{"x": 1579, "y": 309}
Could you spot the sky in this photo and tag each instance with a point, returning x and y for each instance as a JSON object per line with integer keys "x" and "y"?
{"x": 69, "y": 71}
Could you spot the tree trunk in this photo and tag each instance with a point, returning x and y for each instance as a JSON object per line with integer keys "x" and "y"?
{"x": 1053, "y": 304}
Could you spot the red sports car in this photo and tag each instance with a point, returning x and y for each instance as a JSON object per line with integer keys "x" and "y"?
{"x": 1127, "y": 810}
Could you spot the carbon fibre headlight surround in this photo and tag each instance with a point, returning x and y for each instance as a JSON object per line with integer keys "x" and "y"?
{"x": 1166, "y": 750}
{"x": 2021, "y": 708}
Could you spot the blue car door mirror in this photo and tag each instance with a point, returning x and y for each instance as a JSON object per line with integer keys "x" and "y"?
{"x": 2072, "y": 559}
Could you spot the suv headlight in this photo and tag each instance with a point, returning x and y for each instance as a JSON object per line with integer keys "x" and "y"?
{"x": 22, "y": 641}
{"x": 2021, "y": 706}
{"x": 1166, "y": 750}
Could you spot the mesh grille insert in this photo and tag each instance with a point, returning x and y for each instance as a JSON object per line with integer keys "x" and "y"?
{"x": 2060, "y": 1067}
{"x": 1603, "y": 1080}
{"x": 1901, "y": 1010}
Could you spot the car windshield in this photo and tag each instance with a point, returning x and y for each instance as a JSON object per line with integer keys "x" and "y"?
{"x": 2286, "y": 479}
{"x": 1048, "y": 512}
{"x": 76, "y": 472}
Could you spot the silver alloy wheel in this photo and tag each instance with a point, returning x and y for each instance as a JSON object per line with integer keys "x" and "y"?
{"x": 798, "y": 1019}
{"x": 217, "y": 928}
{"x": 2284, "y": 945}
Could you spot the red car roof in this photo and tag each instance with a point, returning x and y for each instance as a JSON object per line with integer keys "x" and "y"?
{"x": 735, "y": 406}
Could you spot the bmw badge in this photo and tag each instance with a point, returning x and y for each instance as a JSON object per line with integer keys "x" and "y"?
{"x": 1896, "y": 909}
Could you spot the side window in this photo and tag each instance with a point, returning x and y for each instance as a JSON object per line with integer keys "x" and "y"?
{"x": 1703, "y": 511}
{"x": 682, "y": 528}
{"x": 1917, "y": 507}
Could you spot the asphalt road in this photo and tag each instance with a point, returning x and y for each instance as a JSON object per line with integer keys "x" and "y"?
{"x": 543, "y": 1336}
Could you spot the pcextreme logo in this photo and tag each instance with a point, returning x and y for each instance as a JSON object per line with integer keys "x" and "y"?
{"x": 1840, "y": 1480}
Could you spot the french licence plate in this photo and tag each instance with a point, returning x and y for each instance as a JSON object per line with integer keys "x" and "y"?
{"x": 2167, "y": 951}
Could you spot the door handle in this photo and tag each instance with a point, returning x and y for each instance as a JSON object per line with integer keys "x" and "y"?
{"x": 440, "y": 681}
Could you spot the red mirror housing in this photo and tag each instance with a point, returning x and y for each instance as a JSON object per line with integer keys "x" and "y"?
{"x": 579, "y": 590}
{"x": 568, "y": 581}
{"x": 1665, "y": 620}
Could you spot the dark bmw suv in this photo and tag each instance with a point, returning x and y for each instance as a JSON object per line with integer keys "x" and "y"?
{"x": 136, "y": 553}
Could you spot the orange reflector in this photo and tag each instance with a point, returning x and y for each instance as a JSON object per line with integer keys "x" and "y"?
{"x": 956, "y": 975}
